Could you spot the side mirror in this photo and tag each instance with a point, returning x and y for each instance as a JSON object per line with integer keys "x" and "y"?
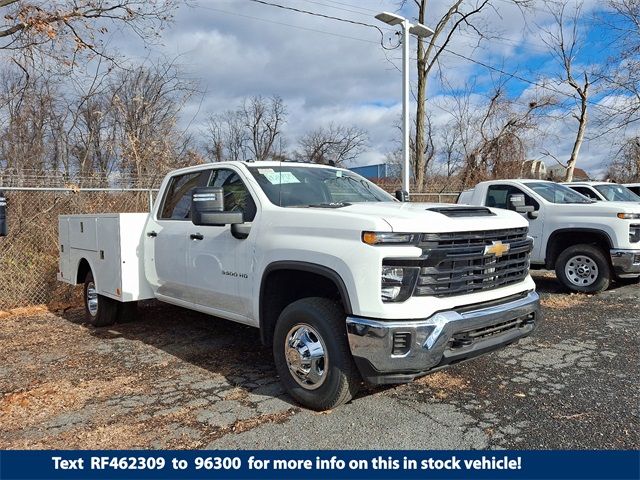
{"x": 402, "y": 195}
{"x": 518, "y": 204}
{"x": 3, "y": 215}
{"x": 207, "y": 208}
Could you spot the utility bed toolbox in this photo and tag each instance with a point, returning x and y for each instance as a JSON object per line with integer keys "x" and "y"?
{"x": 112, "y": 245}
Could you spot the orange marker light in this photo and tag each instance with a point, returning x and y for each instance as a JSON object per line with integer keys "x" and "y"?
{"x": 369, "y": 238}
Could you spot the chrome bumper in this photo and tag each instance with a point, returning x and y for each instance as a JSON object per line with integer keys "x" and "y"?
{"x": 626, "y": 263}
{"x": 397, "y": 351}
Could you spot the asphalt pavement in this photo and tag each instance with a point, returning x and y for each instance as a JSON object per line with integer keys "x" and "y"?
{"x": 178, "y": 379}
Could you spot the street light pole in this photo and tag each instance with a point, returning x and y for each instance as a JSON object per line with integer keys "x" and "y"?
{"x": 419, "y": 30}
{"x": 406, "y": 126}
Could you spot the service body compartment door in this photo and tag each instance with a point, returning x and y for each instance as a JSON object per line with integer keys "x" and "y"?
{"x": 109, "y": 272}
{"x": 82, "y": 232}
{"x": 64, "y": 248}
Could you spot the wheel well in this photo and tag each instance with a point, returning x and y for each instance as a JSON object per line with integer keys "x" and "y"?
{"x": 284, "y": 286}
{"x": 83, "y": 269}
{"x": 562, "y": 240}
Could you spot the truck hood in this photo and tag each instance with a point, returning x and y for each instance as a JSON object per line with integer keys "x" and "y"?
{"x": 598, "y": 209}
{"x": 437, "y": 217}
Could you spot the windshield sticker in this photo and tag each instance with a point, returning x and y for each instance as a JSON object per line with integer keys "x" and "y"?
{"x": 264, "y": 171}
{"x": 279, "y": 178}
{"x": 339, "y": 173}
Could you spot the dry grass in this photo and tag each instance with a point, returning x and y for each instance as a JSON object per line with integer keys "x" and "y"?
{"x": 35, "y": 405}
{"x": 565, "y": 301}
{"x": 442, "y": 384}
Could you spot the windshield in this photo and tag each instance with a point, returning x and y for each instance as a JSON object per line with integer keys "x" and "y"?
{"x": 617, "y": 193}
{"x": 295, "y": 186}
{"x": 555, "y": 193}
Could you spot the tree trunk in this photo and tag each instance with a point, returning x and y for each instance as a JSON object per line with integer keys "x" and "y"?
{"x": 582, "y": 126}
{"x": 421, "y": 98}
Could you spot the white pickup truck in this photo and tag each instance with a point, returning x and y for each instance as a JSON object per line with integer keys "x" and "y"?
{"x": 586, "y": 242}
{"x": 604, "y": 191}
{"x": 344, "y": 281}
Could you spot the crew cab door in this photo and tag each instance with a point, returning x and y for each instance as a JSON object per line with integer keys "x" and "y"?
{"x": 166, "y": 241}
{"x": 220, "y": 268}
{"x": 498, "y": 197}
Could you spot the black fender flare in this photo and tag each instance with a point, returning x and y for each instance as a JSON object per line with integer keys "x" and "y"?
{"x": 561, "y": 231}
{"x": 304, "y": 267}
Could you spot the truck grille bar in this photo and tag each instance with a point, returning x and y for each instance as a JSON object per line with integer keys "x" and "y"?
{"x": 456, "y": 263}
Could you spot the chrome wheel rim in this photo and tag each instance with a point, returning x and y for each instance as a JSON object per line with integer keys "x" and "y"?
{"x": 92, "y": 299}
{"x": 581, "y": 271}
{"x": 306, "y": 356}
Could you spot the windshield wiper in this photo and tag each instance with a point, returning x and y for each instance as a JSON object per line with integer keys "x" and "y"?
{"x": 330, "y": 205}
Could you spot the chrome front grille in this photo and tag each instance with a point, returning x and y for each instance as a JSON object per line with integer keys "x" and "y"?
{"x": 456, "y": 263}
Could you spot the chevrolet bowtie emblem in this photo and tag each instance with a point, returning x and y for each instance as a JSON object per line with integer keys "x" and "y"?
{"x": 497, "y": 248}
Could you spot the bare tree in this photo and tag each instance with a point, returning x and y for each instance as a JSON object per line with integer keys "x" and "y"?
{"x": 491, "y": 139}
{"x": 145, "y": 106}
{"x": 30, "y": 116}
{"x": 622, "y": 70}
{"x": 563, "y": 42}
{"x": 625, "y": 167}
{"x": 263, "y": 119}
{"x": 458, "y": 16}
{"x": 226, "y": 137}
{"x": 67, "y": 29}
{"x": 253, "y": 131}
{"x": 337, "y": 143}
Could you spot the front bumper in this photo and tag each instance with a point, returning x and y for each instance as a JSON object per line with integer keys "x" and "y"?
{"x": 626, "y": 263}
{"x": 398, "y": 351}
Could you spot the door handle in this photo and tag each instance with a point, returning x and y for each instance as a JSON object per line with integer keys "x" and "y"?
{"x": 152, "y": 234}
{"x": 196, "y": 236}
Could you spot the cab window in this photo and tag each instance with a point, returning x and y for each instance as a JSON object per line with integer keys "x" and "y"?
{"x": 587, "y": 192}
{"x": 236, "y": 195}
{"x": 177, "y": 199}
{"x": 498, "y": 197}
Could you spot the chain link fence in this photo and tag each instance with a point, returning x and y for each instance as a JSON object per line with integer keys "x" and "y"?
{"x": 29, "y": 254}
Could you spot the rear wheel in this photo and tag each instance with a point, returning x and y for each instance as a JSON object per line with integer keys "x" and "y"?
{"x": 99, "y": 311}
{"x": 312, "y": 354}
{"x": 583, "y": 268}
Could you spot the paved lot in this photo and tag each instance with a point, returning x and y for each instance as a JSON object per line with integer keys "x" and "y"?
{"x": 176, "y": 379}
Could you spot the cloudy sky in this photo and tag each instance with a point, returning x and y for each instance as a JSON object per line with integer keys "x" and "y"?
{"x": 327, "y": 70}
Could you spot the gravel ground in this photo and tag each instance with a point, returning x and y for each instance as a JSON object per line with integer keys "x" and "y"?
{"x": 177, "y": 379}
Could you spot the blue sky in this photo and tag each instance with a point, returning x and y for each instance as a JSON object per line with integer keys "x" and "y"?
{"x": 327, "y": 70}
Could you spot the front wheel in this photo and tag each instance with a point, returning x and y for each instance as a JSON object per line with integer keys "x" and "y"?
{"x": 312, "y": 354}
{"x": 583, "y": 268}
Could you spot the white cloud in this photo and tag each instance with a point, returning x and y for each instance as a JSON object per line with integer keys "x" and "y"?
{"x": 237, "y": 49}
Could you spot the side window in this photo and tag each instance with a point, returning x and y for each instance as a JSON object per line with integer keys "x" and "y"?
{"x": 236, "y": 195}
{"x": 177, "y": 199}
{"x": 498, "y": 197}
{"x": 586, "y": 192}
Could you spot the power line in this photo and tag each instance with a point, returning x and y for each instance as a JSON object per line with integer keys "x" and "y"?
{"x": 490, "y": 67}
{"x": 358, "y": 12}
{"x": 265, "y": 20}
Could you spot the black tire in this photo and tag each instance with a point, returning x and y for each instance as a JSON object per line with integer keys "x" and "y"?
{"x": 105, "y": 312}
{"x": 341, "y": 379}
{"x": 589, "y": 279}
{"x": 127, "y": 312}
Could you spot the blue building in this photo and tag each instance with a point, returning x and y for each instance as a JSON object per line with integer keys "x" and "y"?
{"x": 378, "y": 171}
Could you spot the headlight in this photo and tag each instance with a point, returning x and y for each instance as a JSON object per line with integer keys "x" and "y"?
{"x": 397, "y": 283}
{"x": 634, "y": 233}
{"x": 377, "y": 238}
{"x": 629, "y": 216}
